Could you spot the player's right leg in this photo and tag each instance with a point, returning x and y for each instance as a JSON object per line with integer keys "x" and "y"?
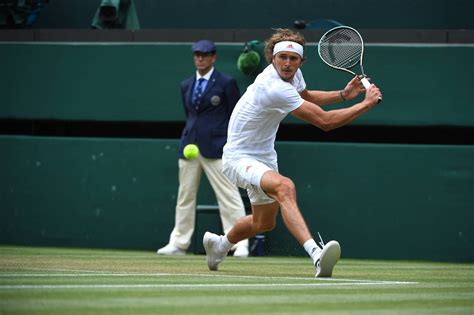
{"x": 283, "y": 190}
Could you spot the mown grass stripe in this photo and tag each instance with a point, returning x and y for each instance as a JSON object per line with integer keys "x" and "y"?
{"x": 198, "y": 285}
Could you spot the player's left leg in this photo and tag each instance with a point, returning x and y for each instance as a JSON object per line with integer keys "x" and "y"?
{"x": 263, "y": 218}
{"x": 231, "y": 206}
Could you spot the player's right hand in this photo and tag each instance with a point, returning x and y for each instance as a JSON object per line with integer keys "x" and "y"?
{"x": 373, "y": 94}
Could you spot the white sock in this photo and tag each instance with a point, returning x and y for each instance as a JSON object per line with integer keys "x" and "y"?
{"x": 312, "y": 249}
{"x": 225, "y": 245}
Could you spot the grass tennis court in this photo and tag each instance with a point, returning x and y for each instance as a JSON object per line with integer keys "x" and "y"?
{"x": 35, "y": 280}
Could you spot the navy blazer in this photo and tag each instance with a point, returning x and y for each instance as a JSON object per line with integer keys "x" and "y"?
{"x": 206, "y": 124}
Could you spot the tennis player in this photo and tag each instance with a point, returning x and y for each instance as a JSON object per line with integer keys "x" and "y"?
{"x": 250, "y": 160}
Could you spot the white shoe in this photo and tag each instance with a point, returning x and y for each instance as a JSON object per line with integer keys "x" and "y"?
{"x": 241, "y": 250}
{"x": 211, "y": 242}
{"x": 329, "y": 257}
{"x": 171, "y": 250}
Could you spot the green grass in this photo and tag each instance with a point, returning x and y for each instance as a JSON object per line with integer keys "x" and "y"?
{"x": 35, "y": 280}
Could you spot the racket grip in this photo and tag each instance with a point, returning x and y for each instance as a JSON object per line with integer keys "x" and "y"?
{"x": 366, "y": 84}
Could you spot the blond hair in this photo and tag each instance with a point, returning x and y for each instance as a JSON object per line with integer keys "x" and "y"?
{"x": 280, "y": 35}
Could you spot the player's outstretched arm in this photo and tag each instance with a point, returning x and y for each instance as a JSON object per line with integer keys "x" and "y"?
{"x": 329, "y": 120}
{"x": 322, "y": 97}
{"x": 353, "y": 88}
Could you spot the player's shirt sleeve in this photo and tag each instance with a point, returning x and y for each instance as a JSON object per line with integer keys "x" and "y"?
{"x": 286, "y": 98}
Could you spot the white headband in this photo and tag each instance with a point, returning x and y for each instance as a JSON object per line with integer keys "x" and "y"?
{"x": 288, "y": 46}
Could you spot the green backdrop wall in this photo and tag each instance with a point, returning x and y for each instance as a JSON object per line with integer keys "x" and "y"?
{"x": 422, "y": 84}
{"x": 400, "y": 201}
{"x": 379, "y": 201}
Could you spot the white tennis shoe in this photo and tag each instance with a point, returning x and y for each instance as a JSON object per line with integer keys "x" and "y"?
{"x": 211, "y": 243}
{"x": 327, "y": 260}
{"x": 171, "y": 250}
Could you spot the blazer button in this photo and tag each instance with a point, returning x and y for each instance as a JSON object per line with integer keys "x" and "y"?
{"x": 197, "y": 107}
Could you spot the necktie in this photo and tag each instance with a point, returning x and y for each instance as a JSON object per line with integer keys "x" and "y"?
{"x": 198, "y": 93}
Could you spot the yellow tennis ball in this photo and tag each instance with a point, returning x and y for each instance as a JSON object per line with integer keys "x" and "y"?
{"x": 191, "y": 151}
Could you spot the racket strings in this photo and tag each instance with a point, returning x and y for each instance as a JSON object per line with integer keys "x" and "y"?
{"x": 341, "y": 48}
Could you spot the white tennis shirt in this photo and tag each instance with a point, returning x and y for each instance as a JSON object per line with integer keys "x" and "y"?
{"x": 257, "y": 115}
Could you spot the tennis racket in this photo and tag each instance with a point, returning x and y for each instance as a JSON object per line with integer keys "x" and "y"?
{"x": 342, "y": 48}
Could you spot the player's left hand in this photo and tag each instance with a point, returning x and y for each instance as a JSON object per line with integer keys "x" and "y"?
{"x": 353, "y": 88}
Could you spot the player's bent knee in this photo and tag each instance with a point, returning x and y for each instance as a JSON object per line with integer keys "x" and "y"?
{"x": 286, "y": 188}
{"x": 264, "y": 226}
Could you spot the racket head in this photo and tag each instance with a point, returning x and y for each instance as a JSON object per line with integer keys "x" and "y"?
{"x": 341, "y": 48}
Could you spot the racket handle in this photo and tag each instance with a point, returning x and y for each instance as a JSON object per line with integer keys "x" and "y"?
{"x": 366, "y": 84}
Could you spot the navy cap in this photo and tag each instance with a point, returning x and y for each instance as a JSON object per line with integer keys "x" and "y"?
{"x": 204, "y": 46}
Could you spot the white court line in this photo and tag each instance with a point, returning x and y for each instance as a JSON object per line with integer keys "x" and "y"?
{"x": 49, "y": 269}
{"x": 104, "y": 274}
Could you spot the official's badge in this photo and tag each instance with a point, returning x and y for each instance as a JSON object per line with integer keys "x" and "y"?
{"x": 215, "y": 100}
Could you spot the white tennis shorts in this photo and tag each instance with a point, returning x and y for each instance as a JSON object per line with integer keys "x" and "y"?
{"x": 247, "y": 173}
